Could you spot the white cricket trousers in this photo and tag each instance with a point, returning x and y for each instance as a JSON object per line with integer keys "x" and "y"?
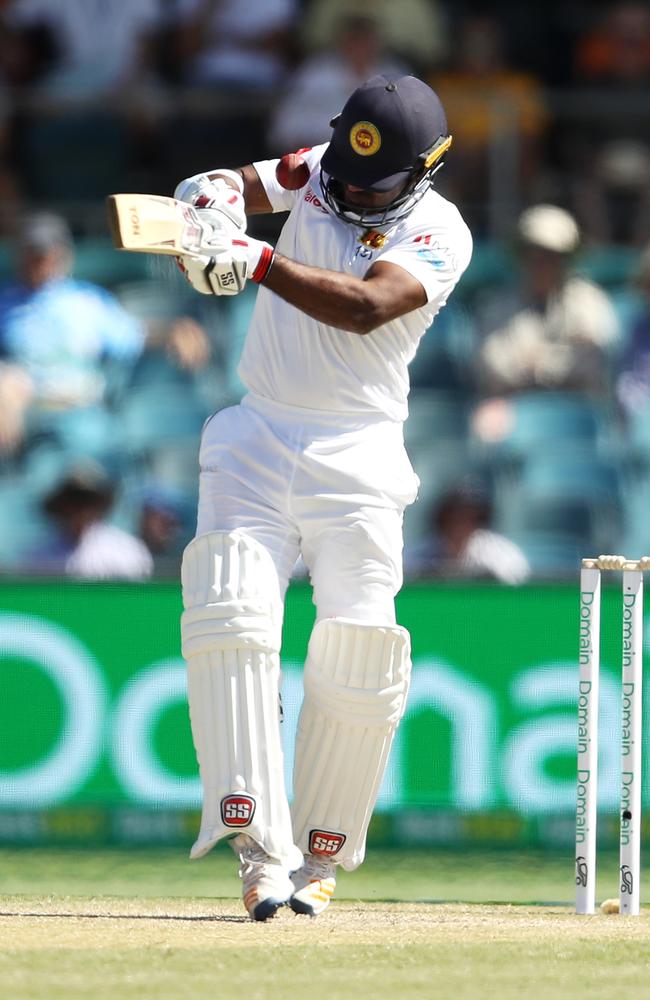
{"x": 332, "y": 487}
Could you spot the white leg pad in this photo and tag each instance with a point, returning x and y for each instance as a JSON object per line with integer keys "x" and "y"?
{"x": 356, "y": 684}
{"x": 230, "y": 632}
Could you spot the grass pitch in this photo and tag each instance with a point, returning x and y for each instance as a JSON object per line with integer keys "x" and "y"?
{"x": 135, "y": 925}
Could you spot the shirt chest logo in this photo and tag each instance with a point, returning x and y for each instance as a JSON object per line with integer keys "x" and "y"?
{"x": 311, "y": 199}
{"x": 373, "y": 238}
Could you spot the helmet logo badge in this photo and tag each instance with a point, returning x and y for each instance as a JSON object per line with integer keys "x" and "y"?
{"x": 365, "y": 138}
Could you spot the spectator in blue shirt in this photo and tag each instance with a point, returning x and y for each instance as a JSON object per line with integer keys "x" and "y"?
{"x": 58, "y": 339}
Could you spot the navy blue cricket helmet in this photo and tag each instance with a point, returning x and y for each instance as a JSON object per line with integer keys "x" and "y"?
{"x": 389, "y": 133}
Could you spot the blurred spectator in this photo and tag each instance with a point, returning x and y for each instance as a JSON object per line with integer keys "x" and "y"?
{"x": 86, "y": 545}
{"x": 618, "y": 47}
{"x": 73, "y": 55}
{"x": 232, "y": 44}
{"x": 317, "y": 91}
{"x": 58, "y": 336}
{"x": 633, "y": 386}
{"x": 497, "y": 117}
{"x": 68, "y": 348}
{"x": 462, "y": 544}
{"x": 77, "y": 49}
{"x": 10, "y": 188}
{"x": 25, "y": 53}
{"x": 162, "y": 526}
{"x": 414, "y": 30}
{"x": 16, "y": 394}
{"x": 183, "y": 342}
{"x": 231, "y": 57}
{"x": 556, "y": 330}
{"x": 608, "y": 143}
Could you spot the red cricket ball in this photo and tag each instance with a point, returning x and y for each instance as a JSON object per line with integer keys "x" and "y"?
{"x": 292, "y": 172}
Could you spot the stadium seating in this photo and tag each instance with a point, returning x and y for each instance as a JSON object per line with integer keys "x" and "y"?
{"x": 609, "y": 266}
{"x": 638, "y": 436}
{"x": 235, "y": 318}
{"x": 552, "y": 554}
{"x": 570, "y": 475}
{"x": 550, "y": 420}
{"x": 636, "y": 484}
{"x": 636, "y": 504}
{"x": 161, "y": 294}
{"x": 436, "y": 415}
{"x": 153, "y": 415}
{"x": 24, "y": 525}
{"x": 91, "y": 431}
{"x": 568, "y": 494}
{"x": 435, "y": 435}
{"x": 554, "y": 418}
{"x": 96, "y": 260}
{"x": 491, "y": 267}
{"x": 444, "y": 356}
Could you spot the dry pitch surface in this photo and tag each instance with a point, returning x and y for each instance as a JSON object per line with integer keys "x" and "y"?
{"x": 118, "y": 947}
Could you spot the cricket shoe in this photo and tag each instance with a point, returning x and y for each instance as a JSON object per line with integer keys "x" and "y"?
{"x": 314, "y": 886}
{"x": 267, "y": 885}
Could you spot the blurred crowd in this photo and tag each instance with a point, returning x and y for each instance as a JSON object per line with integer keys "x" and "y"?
{"x": 530, "y": 410}
{"x": 545, "y": 104}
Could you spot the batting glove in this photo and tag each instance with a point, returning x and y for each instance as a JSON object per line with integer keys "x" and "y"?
{"x": 217, "y": 195}
{"x": 226, "y": 271}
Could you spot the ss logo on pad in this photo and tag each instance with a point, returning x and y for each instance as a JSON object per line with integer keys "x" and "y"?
{"x": 325, "y": 843}
{"x": 237, "y": 810}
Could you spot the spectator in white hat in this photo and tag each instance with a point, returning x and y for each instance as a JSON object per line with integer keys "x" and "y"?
{"x": 555, "y": 330}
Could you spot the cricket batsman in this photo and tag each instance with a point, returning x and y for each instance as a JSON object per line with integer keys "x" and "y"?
{"x": 312, "y": 463}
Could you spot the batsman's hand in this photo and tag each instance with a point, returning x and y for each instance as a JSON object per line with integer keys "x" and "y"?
{"x": 216, "y": 232}
{"x": 219, "y": 274}
{"x": 223, "y": 195}
{"x": 226, "y": 271}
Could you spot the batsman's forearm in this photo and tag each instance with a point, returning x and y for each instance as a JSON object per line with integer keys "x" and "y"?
{"x": 340, "y": 300}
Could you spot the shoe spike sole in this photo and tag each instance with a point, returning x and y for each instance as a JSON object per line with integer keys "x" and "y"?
{"x": 267, "y": 909}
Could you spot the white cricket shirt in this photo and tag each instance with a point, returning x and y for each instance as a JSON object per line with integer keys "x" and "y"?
{"x": 298, "y": 361}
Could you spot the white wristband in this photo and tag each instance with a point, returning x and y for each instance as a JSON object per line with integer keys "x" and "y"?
{"x": 190, "y": 188}
{"x": 232, "y": 175}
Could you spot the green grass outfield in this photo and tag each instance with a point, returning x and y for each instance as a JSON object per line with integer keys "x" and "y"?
{"x": 144, "y": 924}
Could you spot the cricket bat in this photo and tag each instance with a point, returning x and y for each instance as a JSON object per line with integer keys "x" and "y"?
{"x": 151, "y": 223}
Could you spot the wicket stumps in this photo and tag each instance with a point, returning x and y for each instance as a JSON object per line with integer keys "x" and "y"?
{"x": 631, "y": 731}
